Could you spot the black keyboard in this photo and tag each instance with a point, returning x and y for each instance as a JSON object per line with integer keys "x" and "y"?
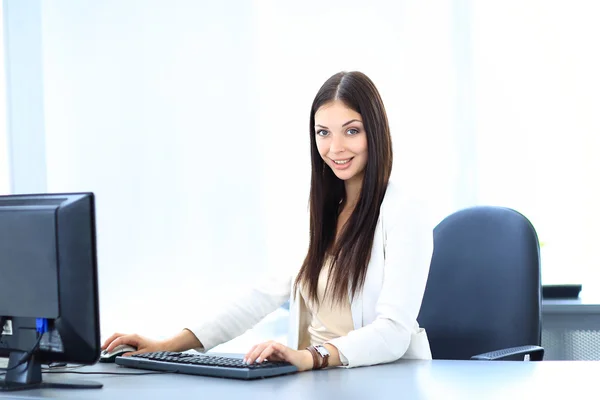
{"x": 199, "y": 364}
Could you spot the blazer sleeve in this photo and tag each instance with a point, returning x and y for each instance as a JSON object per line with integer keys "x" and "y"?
{"x": 408, "y": 247}
{"x": 244, "y": 312}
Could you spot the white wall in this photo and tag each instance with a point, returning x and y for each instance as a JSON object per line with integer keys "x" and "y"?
{"x": 538, "y": 96}
{"x": 189, "y": 121}
{"x": 151, "y": 105}
{"x": 23, "y": 89}
{"x": 407, "y": 51}
{"x": 4, "y": 161}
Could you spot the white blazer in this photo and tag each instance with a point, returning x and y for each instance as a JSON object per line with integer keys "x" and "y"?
{"x": 384, "y": 312}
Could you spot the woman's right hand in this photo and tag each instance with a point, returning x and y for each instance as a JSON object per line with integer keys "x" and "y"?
{"x": 143, "y": 344}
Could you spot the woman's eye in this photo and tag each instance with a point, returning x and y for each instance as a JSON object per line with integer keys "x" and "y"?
{"x": 352, "y": 131}
{"x": 322, "y": 132}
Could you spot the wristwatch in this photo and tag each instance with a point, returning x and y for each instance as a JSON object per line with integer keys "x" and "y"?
{"x": 322, "y": 352}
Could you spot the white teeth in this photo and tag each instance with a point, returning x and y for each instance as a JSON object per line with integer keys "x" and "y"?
{"x": 342, "y": 162}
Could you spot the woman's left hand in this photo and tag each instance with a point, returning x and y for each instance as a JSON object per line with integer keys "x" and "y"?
{"x": 273, "y": 351}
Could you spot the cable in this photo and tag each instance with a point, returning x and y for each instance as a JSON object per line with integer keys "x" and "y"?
{"x": 66, "y": 367}
{"x": 106, "y": 373}
{"x": 70, "y": 371}
{"x": 25, "y": 358}
{"x": 102, "y": 373}
{"x": 2, "y": 323}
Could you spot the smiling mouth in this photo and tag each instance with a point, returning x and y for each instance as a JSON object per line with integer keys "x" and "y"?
{"x": 342, "y": 162}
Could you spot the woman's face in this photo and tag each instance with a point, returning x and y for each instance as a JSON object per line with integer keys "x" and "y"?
{"x": 341, "y": 140}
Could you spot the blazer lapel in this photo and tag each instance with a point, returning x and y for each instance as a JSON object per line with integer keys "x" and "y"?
{"x": 357, "y": 309}
{"x": 373, "y": 267}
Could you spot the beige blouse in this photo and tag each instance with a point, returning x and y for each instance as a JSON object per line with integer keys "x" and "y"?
{"x": 327, "y": 320}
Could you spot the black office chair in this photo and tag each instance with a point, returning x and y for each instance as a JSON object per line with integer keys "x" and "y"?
{"x": 483, "y": 295}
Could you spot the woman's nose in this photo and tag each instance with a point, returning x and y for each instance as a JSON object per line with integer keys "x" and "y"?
{"x": 337, "y": 144}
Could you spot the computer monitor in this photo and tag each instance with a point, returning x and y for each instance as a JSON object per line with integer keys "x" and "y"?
{"x": 48, "y": 287}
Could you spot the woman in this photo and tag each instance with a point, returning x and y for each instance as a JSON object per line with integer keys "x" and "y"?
{"x": 356, "y": 297}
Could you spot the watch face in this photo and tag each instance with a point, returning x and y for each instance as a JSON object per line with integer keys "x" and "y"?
{"x": 322, "y": 351}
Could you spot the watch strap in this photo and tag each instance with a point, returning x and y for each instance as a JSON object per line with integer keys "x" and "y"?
{"x": 315, "y": 356}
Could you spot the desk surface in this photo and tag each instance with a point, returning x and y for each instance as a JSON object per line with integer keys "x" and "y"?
{"x": 438, "y": 379}
{"x": 582, "y": 305}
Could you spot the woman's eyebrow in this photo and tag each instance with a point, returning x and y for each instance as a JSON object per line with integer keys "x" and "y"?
{"x": 347, "y": 123}
{"x": 351, "y": 121}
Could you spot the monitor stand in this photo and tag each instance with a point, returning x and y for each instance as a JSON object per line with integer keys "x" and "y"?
{"x": 28, "y": 376}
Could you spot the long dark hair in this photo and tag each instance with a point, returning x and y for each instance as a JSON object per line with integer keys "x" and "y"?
{"x": 350, "y": 252}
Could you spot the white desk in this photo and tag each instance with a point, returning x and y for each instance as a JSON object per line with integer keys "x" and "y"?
{"x": 413, "y": 380}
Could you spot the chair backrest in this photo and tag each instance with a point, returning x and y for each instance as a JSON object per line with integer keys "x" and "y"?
{"x": 484, "y": 290}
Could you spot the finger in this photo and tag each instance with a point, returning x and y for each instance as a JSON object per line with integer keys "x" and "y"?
{"x": 266, "y": 353}
{"x": 135, "y": 353}
{"x": 247, "y": 355}
{"x": 256, "y": 352}
{"x": 110, "y": 339}
{"x": 131, "y": 340}
{"x": 280, "y": 352}
{"x": 275, "y": 356}
{"x": 251, "y": 358}
{"x": 118, "y": 341}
